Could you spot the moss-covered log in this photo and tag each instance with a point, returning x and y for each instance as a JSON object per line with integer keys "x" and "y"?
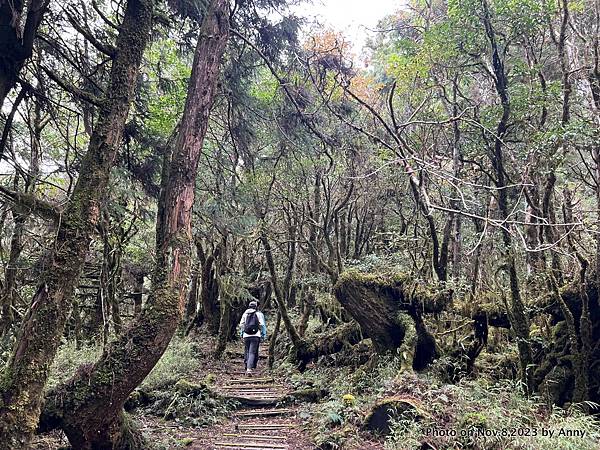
{"x": 308, "y": 395}
{"x": 333, "y": 342}
{"x": 375, "y": 301}
{"x": 554, "y": 369}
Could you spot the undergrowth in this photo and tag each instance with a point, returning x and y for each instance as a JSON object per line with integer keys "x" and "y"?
{"x": 68, "y": 359}
{"x": 180, "y": 360}
{"x": 480, "y": 414}
{"x": 169, "y": 391}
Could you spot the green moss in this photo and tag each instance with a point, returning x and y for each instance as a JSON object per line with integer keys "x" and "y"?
{"x": 474, "y": 420}
{"x": 185, "y": 442}
{"x": 187, "y": 387}
{"x": 374, "y": 278}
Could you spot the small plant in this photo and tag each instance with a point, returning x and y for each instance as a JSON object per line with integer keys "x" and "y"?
{"x": 474, "y": 420}
{"x": 334, "y": 419}
{"x": 349, "y": 400}
{"x": 210, "y": 379}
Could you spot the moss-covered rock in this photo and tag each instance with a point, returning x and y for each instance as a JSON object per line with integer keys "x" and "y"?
{"x": 186, "y": 387}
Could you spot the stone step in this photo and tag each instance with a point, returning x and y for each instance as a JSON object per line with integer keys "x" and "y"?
{"x": 252, "y": 386}
{"x": 247, "y": 446}
{"x": 253, "y": 393}
{"x": 257, "y": 401}
{"x": 256, "y": 388}
{"x": 251, "y": 445}
{"x": 243, "y": 393}
{"x": 251, "y": 380}
{"x": 240, "y": 355}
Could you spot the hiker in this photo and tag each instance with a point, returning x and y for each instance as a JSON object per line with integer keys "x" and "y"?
{"x": 253, "y": 329}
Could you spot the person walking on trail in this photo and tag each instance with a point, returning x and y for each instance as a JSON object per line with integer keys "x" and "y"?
{"x": 253, "y": 329}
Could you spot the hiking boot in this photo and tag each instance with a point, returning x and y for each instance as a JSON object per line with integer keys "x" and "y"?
{"x": 248, "y": 372}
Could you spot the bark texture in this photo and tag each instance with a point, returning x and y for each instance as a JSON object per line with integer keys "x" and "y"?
{"x": 23, "y": 380}
{"x": 376, "y": 301}
{"x": 17, "y": 41}
{"x": 90, "y": 409}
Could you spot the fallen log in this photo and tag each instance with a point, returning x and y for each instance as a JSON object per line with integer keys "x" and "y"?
{"x": 332, "y": 342}
{"x": 376, "y": 302}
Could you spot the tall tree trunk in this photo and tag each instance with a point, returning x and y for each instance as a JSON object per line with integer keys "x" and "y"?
{"x": 209, "y": 293}
{"x": 297, "y": 341}
{"x": 91, "y": 414}
{"x": 455, "y": 202}
{"x": 192, "y": 302}
{"x": 224, "y": 327}
{"x": 8, "y": 291}
{"x": 17, "y": 41}
{"x": 288, "y": 281}
{"x": 519, "y": 319}
{"x": 315, "y": 215}
{"x": 23, "y": 380}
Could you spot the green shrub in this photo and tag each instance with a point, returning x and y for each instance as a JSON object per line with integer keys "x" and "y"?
{"x": 68, "y": 359}
{"x": 179, "y": 361}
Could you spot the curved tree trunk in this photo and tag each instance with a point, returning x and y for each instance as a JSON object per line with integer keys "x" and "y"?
{"x": 519, "y": 319}
{"x": 375, "y": 302}
{"x": 91, "y": 413}
{"x": 23, "y": 381}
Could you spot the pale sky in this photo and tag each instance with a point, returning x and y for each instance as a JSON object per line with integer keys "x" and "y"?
{"x": 353, "y": 17}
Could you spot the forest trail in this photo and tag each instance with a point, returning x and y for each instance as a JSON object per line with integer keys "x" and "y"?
{"x": 261, "y": 422}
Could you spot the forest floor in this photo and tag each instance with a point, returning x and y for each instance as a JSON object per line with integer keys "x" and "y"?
{"x": 260, "y": 422}
{"x": 254, "y": 418}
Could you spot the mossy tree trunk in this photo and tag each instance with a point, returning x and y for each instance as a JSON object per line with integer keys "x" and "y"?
{"x": 23, "y": 381}
{"x": 224, "y": 327}
{"x": 337, "y": 340}
{"x": 90, "y": 408}
{"x": 209, "y": 293}
{"x": 376, "y": 301}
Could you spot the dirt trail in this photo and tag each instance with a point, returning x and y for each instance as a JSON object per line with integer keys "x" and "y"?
{"x": 261, "y": 422}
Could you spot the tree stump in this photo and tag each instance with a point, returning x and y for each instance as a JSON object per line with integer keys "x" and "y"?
{"x": 380, "y": 417}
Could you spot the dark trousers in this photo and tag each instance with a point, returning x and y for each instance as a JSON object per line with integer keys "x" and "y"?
{"x": 251, "y": 351}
